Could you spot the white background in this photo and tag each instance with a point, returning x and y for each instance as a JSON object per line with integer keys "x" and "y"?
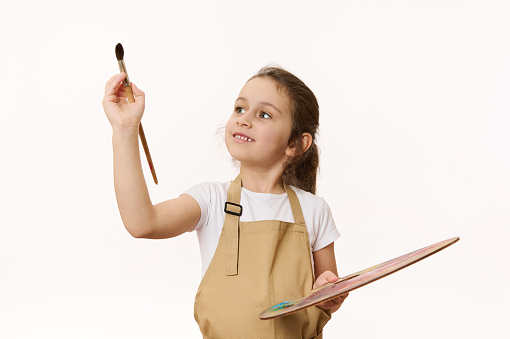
{"x": 414, "y": 137}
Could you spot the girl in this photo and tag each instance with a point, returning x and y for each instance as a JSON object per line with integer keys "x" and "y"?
{"x": 264, "y": 236}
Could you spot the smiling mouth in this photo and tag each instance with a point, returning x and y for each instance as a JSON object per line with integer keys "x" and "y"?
{"x": 243, "y": 137}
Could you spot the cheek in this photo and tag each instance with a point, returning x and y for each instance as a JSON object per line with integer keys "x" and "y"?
{"x": 229, "y": 129}
{"x": 276, "y": 140}
{"x": 230, "y": 124}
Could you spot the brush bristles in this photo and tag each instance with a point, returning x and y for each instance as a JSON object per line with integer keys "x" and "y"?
{"x": 119, "y": 51}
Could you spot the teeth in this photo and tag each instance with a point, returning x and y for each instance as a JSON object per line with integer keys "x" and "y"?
{"x": 242, "y": 138}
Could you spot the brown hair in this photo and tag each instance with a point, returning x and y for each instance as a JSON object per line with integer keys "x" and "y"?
{"x": 301, "y": 170}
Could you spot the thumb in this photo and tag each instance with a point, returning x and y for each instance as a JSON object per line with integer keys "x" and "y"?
{"x": 139, "y": 94}
{"x": 330, "y": 276}
{"x": 325, "y": 278}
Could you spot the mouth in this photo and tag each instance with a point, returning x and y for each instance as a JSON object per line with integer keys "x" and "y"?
{"x": 242, "y": 137}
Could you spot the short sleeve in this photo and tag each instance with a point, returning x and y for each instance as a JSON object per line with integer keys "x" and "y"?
{"x": 327, "y": 232}
{"x": 202, "y": 194}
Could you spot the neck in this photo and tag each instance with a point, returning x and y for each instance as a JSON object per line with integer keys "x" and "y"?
{"x": 267, "y": 181}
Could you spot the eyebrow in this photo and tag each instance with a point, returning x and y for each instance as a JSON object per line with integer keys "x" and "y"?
{"x": 262, "y": 103}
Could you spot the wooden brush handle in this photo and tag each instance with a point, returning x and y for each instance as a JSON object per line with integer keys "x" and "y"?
{"x": 129, "y": 94}
{"x": 147, "y": 153}
{"x": 131, "y": 98}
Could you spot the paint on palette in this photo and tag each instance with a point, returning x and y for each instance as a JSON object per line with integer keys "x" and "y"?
{"x": 354, "y": 281}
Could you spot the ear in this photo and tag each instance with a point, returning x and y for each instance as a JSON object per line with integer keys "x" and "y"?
{"x": 306, "y": 142}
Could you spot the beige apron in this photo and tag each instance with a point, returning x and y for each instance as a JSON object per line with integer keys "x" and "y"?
{"x": 257, "y": 265}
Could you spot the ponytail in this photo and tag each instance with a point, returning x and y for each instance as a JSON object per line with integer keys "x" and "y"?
{"x": 301, "y": 171}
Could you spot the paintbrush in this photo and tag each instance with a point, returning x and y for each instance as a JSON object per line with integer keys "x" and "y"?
{"x": 119, "y": 52}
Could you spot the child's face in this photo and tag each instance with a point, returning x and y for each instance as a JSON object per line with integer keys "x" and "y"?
{"x": 258, "y": 131}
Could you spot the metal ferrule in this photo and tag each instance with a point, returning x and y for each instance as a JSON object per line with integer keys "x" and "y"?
{"x": 122, "y": 68}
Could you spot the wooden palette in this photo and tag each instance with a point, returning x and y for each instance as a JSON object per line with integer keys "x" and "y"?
{"x": 354, "y": 281}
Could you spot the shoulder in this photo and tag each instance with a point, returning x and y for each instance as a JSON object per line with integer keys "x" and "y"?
{"x": 208, "y": 190}
{"x": 310, "y": 200}
{"x": 319, "y": 219}
{"x": 315, "y": 209}
{"x": 210, "y": 196}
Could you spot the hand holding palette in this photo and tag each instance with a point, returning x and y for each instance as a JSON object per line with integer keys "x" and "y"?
{"x": 354, "y": 281}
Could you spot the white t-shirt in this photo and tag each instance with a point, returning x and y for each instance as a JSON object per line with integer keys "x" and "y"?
{"x": 211, "y": 197}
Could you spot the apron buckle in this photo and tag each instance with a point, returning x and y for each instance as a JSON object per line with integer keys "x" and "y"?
{"x": 232, "y": 212}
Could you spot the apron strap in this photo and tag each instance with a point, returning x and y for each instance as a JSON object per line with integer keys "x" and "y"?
{"x": 295, "y": 205}
{"x": 233, "y": 212}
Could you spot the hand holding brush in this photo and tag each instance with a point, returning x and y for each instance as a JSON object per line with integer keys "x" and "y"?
{"x": 117, "y": 96}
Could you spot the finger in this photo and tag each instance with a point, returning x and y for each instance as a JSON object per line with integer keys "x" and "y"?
{"x": 340, "y": 299}
{"x": 121, "y": 92}
{"x": 330, "y": 276}
{"x": 321, "y": 280}
{"x": 139, "y": 94}
{"x": 114, "y": 83}
{"x": 328, "y": 304}
{"x": 334, "y": 302}
{"x": 110, "y": 81}
{"x": 137, "y": 91}
{"x": 119, "y": 97}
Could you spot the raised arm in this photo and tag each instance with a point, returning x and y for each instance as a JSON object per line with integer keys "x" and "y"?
{"x": 140, "y": 217}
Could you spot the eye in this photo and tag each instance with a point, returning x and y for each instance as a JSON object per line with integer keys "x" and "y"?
{"x": 240, "y": 110}
{"x": 265, "y": 115}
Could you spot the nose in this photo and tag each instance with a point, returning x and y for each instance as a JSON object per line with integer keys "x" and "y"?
{"x": 244, "y": 120}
